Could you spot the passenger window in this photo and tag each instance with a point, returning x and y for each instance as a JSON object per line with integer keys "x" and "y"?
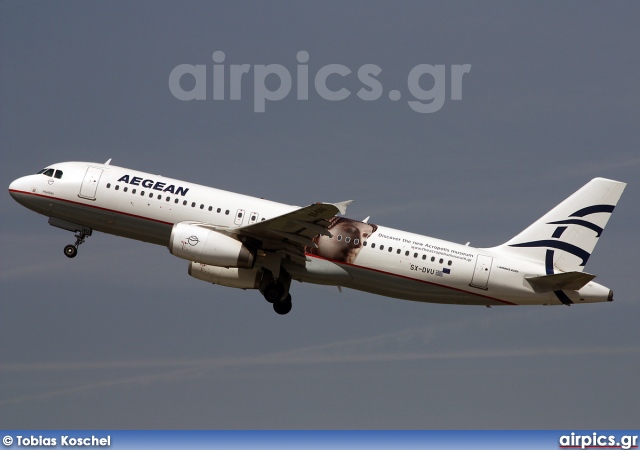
{"x": 339, "y": 238}
{"x": 58, "y": 174}
{"x": 415, "y": 255}
{"x": 168, "y": 199}
{"x": 193, "y": 204}
{"x": 218, "y": 210}
{"x": 406, "y": 253}
{"x": 150, "y": 194}
{"x": 159, "y": 196}
{"x": 176, "y": 201}
{"x": 347, "y": 239}
{"x": 373, "y": 245}
{"x": 227, "y": 212}
{"x": 424, "y": 256}
{"x": 382, "y": 247}
{"x": 441, "y": 260}
{"x": 239, "y": 215}
{"x": 108, "y": 185}
{"x": 201, "y": 206}
{"x": 449, "y": 263}
{"x": 398, "y": 251}
{"x": 184, "y": 203}
{"x": 433, "y": 258}
{"x": 364, "y": 244}
{"x": 125, "y": 189}
{"x": 142, "y": 193}
{"x": 117, "y": 187}
{"x": 210, "y": 208}
{"x": 356, "y": 241}
{"x": 133, "y": 191}
{"x": 390, "y": 249}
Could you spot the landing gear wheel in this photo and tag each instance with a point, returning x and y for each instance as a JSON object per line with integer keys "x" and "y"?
{"x": 70, "y": 251}
{"x": 273, "y": 293}
{"x": 283, "y": 307}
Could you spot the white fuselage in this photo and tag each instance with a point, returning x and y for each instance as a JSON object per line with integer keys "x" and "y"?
{"x": 391, "y": 262}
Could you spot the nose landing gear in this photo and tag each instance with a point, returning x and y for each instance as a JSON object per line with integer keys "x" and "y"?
{"x": 82, "y": 232}
{"x": 70, "y": 251}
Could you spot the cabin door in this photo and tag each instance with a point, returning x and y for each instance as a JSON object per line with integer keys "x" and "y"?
{"x": 481, "y": 272}
{"x": 90, "y": 183}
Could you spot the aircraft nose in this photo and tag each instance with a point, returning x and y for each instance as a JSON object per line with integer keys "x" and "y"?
{"x": 13, "y": 187}
{"x": 16, "y": 187}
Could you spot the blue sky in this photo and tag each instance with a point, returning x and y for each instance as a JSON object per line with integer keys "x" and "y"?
{"x": 122, "y": 337}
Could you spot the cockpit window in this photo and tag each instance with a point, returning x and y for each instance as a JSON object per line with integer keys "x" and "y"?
{"x": 47, "y": 172}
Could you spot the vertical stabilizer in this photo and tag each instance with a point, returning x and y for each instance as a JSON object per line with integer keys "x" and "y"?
{"x": 564, "y": 238}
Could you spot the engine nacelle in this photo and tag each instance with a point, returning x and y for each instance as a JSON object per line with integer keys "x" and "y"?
{"x": 231, "y": 277}
{"x": 199, "y": 244}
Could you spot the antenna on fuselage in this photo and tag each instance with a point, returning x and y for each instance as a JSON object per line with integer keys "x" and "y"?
{"x": 108, "y": 162}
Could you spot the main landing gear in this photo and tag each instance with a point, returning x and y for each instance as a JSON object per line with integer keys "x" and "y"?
{"x": 82, "y": 232}
{"x": 276, "y": 292}
{"x": 283, "y": 306}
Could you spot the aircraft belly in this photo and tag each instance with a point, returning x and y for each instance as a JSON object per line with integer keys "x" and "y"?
{"x": 318, "y": 271}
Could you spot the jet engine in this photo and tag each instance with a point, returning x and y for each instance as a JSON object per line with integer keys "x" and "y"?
{"x": 202, "y": 245}
{"x": 230, "y": 277}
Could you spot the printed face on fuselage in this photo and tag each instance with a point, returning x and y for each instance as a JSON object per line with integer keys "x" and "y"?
{"x": 346, "y": 242}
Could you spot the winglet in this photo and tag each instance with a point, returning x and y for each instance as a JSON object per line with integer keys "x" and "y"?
{"x": 342, "y": 206}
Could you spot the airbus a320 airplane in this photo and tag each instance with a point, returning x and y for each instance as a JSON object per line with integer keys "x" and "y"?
{"x": 249, "y": 243}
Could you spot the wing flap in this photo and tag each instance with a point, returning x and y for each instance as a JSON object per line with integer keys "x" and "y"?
{"x": 296, "y": 238}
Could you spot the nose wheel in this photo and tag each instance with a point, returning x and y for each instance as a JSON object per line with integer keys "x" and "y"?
{"x": 71, "y": 250}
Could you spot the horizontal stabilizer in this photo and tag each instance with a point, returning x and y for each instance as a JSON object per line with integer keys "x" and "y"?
{"x": 570, "y": 281}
